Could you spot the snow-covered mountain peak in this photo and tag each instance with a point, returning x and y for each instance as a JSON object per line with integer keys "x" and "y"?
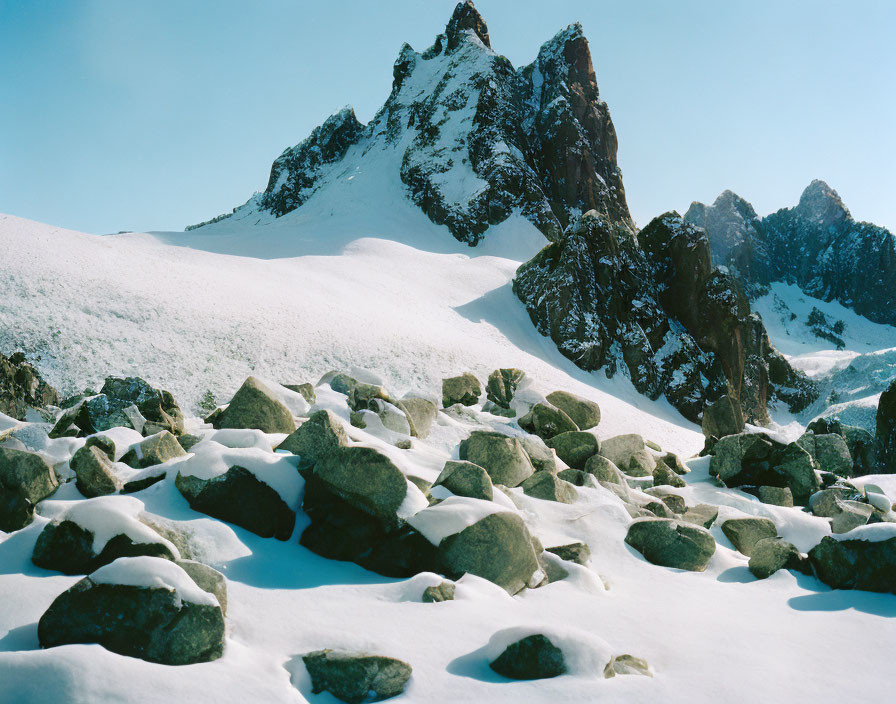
{"x": 466, "y": 21}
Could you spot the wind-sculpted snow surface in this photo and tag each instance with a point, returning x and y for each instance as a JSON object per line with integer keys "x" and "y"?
{"x": 474, "y": 139}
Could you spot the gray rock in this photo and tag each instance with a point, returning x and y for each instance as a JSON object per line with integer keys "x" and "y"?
{"x": 156, "y": 449}
{"x": 627, "y": 665}
{"x": 577, "y": 477}
{"x": 443, "y": 591}
{"x": 25, "y": 479}
{"x": 150, "y": 623}
{"x": 744, "y": 533}
{"x": 366, "y": 479}
{"x": 421, "y": 414}
{"x": 208, "y": 579}
{"x": 307, "y": 391}
{"x": 356, "y": 677}
{"x": 664, "y": 476}
{"x": 502, "y": 385}
{"x": 776, "y": 495}
{"x": 701, "y": 515}
{"x": 94, "y": 473}
{"x": 798, "y": 468}
{"x": 832, "y": 455}
{"x": 497, "y": 548}
{"x": 534, "y": 657}
{"x": 856, "y": 564}
{"x": 671, "y": 543}
{"x": 503, "y": 457}
{"x": 575, "y": 447}
{"x": 579, "y": 553}
{"x": 496, "y": 410}
{"x": 540, "y": 454}
{"x": 239, "y": 497}
{"x": 674, "y": 502}
{"x": 392, "y": 417}
{"x": 546, "y": 421}
{"x": 673, "y": 462}
{"x": 604, "y": 470}
{"x": 188, "y": 441}
{"x": 465, "y": 479}
{"x": 584, "y": 413}
{"x": 255, "y": 406}
{"x": 852, "y": 515}
{"x": 103, "y": 444}
{"x": 547, "y": 486}
{"x": 773, "y": 554}
{"x": 65, "y": 546}
{"x": 723, "y": 417}
{"x": 319, "y": 436}
{"x": 827, "y": 502}
{"x": 464, "y": 389}
{"x": 629, "y": 454}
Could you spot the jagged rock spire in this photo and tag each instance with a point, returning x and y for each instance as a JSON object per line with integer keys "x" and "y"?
{"x": 821, "y": 203}
{"x": 466, "y": 17}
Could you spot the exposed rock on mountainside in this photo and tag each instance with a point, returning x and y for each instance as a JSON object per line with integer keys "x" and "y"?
{"x": 655, "y": 306}
{"x": 816, "y": 245}
{"x": 22, "y": 388}
{"x": 476, "y": 138}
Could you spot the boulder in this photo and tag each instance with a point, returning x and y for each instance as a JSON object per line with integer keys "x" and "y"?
{"x": 577, "y": 477}
{"x": 629, "y": 454}
{"x": 187, "y": 441}
{"x": 502, "y": 385}
{"x": 208, "y": 579}
{"x": 541, "y": 456}
{"x": 671, "y": 543}
{"x": 575, "y": 447}
{"x": 94, "y": 473}
{"x": 744, "y": 533}
{"x": 67, "y": 547}
{"x": 465, "y": 479}
{"x": 534, "y": 657}
{"x": 356, "y": 677}
{"x": 321, "y": 435}
{"x": 156, "y": 449}
{"x": 306, "y": 390}
{"x": 856, "y": 564}
{"x": 444, "y": 591}
{"x": 673, "y": 462}
{"x": 547, "y": 486}
{"x": 579, "y": 553}
{"x": 627, "y": 665}
{"x": 852, "y": 514}
{"x": 723, "y": 417}
{"x": 464, "y": 389}
{"x": 366, "y": 479}
{"x": 859, "y": 441}
{"x": 832, "y": 455}
{"x": 604, "y": 470}
{"x": 104, "y": 444}
{"x": 772, "y": 554}
{"x": 546, "y": 421}
{"x": 498, "y": 548}
{"x": 421, "y": 414}
{"x": 701, "y": 515}
{"x": 674, "y": 502}
{"x": 775, "y": 495}
{"x": 392, "y": 417}
{"x": 502, "y": 456}
{"x": 25, "y": 479}
{"x": 239, "y": 497}
{"x": 256, "y": 406}
{"x": 664, "y": 476}
{"x": 22, "y": 388}
{"x": 584, "y": 413}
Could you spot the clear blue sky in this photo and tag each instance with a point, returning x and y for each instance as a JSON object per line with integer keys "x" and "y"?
{"x": 127, "y": 115}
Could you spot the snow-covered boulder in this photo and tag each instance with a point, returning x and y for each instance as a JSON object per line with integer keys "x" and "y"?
{"x": 575, "y": 447}
{"x": 255, "y": 405}
{"x": 584, "y": 413}
{"x": 629, "y": 454}
{"x": 534, "y": 657}
{"x": 502, "y": 456}
{"x": 95, "y": 532}
{"x": 865, "y": 558}
{"x": 546, "y": 421}
{"x": 355, "y": 677}
{"x": 25, "y": 479}
{"x": 744, "y": 533}
{"x": 672, "y": 543}
{"x": 322, "y": 434}
{"x": 550, "y": 487}
{"x": 421, "y": 413}
{"x": 144, "y": 607}
{"x": 156, "y": 449}
{"x": 94, "y": 472}
{"x": 463, "y": 478}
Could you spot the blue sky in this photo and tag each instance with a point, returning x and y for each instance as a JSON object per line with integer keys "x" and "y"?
{"x": 154, "y": 115}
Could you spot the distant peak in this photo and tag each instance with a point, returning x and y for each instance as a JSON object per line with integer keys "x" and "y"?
{"x": 729, "y": 200}
{"x": 466, "y": 17}
{"x": 822, "y": 203}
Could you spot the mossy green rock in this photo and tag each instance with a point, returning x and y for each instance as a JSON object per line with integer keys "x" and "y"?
{"x": 575, "y": 447}
{"x": 256, "y": 406}
{"x": 502, "y": 456}
{"x": 584, "y": 413}
{"x": 672, "y": 543}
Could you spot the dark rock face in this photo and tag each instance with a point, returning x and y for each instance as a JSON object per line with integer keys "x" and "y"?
{"x": 537, "y": 139}
{"x": 152, "y": 624}
{"x": 21, "y": 387}
{"x": 886, "y": 430}
{"x": 356, "y": 677}
{"x": 531, "y": 658}
{"x": 654, "y": 307}
{"x": 239, "y": 497}
{"x": 815, "y": 245}
{"x": 25, "y": 479}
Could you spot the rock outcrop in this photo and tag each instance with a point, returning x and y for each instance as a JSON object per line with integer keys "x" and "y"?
{"x": 22, "y": 388}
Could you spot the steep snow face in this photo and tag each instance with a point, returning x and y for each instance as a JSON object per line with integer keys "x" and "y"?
{"x": 471, "y": 139}
{"x": 815, "y": 245}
